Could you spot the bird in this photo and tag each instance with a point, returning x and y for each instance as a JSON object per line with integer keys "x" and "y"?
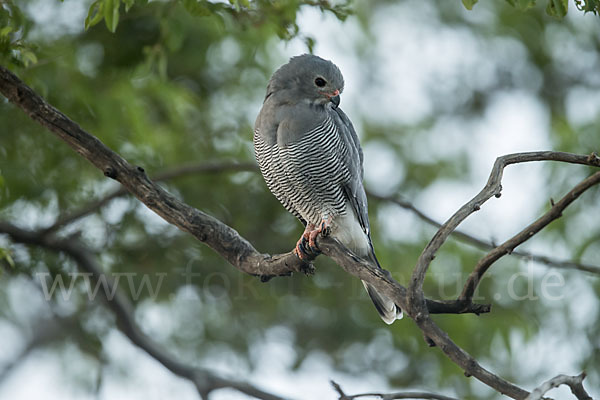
{"x": 311, "y": 159}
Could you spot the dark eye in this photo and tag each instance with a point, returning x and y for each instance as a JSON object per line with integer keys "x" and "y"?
{"x": 320, "y": 82}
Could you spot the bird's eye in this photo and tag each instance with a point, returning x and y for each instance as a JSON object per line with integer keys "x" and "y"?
{"x": 320, "y": 82}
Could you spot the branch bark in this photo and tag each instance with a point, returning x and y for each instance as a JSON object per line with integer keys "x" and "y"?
{"x": 231, "y": 166}
{"x": 220, "y": 237}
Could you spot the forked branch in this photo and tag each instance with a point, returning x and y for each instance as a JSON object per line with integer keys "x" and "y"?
{"x": 508, "y": 246}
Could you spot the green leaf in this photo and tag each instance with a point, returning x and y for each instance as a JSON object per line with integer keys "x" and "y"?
{"x": 469, "y": 4}
{"x": 111, "y": 14}
{"x": 557, "y": 8}
{"x": 95, "y": 14}
{"x": 28, "y": 57}
{"x": 525, "y": 4}
{"x": 197, "y": 9}
{"x": 5, "y": 255}
{"x": 5, "y": 31}
{"x": 522, "y": 5}
{"x": 128, "y": 4}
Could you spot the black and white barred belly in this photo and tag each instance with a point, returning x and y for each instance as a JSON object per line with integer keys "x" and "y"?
{"x": 308, "y": 175}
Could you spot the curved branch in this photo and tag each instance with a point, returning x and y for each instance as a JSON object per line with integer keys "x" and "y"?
{"x": 204, "y": 380}
{"x": 575, "y": 383}
{"x": 417, "y": 306}
{"x": 507, "y": 247}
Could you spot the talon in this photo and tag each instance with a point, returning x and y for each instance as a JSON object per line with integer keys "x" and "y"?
{"x": 311, "y": 240}
{"x": 300, "y": 250}
{"x": 325, "y": 229}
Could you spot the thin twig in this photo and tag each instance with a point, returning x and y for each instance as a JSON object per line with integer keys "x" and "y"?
{"x": 507, "y": 247}
{"x": 492, "y": 188}
{"x": 575, "y": 383}
{"x": 391, "y": 396}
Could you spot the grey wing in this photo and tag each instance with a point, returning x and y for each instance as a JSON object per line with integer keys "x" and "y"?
{"x": 353, "y": 161}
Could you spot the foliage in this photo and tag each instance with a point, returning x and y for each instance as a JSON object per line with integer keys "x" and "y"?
{"x": 171, "y": 82}
{"x": 555, "y": 8}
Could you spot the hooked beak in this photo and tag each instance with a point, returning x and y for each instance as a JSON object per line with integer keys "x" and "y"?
{"x": 335, "y": 100}
{"x": 334, "y": 97}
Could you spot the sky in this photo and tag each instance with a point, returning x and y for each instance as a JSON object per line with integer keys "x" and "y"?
{"x": 429, "y": 52}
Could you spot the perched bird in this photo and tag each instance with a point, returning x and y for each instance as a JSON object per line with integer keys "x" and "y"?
{"x": 311, "y": 160}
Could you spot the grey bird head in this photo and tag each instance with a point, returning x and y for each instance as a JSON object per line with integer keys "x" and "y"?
{"x": 307, "y": 78}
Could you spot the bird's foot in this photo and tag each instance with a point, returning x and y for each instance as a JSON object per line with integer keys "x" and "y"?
{"x": 307, "y": 248}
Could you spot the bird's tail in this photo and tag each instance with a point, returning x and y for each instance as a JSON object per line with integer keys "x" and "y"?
{"x": 387, "y": 309}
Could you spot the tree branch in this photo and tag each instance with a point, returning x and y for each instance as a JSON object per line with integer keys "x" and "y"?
{"x": 575, "y": 383}
{"x": 390, "y": 396}
{"x": 219, "y": 166}
{"x": 223, "y": 239}
{"x": 507, "y": 247}
{"x": 204, "y": 380}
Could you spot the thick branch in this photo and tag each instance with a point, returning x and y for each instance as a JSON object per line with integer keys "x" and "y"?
{"x": 575, "y": 383}
{"x": 507, "y": 247}
{"x": 223, "y": 239}
{"x": 204, "y": 380}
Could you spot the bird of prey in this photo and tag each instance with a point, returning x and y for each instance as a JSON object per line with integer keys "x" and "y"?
{"x": 311, "y": 159}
